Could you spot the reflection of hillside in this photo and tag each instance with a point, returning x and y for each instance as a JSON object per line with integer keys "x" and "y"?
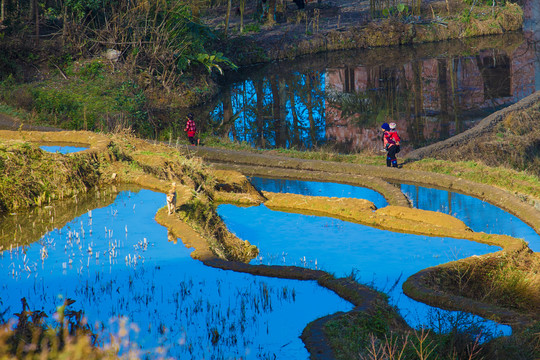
{"x": 29, "y": 226}
{"x": 430, "y": 99}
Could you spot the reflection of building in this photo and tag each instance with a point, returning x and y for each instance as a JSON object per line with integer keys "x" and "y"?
{"x": 433, "y": 99}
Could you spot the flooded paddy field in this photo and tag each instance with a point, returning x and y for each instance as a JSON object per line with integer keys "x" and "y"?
{"x": 477, "y": 214}
{"x": 342, "y": 247}
{"x": 62, "y": 149}
{"x": 133, "y": 280}
{"x": 379, "y": 258}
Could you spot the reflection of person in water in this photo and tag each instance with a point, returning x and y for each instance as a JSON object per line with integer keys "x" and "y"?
{"x": 391, "y": 144}
{"x": 171, "y": 237}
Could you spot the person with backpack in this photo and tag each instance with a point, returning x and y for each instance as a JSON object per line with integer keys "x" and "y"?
{"x": 191, "y": 129}
{"x": 391, "y": 142}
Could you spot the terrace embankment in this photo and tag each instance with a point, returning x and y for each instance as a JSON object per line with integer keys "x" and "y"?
{"x": 378, "y": 178}
{"x": 118, "y": 159}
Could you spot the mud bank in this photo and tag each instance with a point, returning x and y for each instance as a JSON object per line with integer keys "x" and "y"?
{"x": 393, "y": 218}
{"x": 345, "y": 25}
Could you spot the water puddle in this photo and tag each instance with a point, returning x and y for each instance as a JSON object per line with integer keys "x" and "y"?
{"x": 475, "y": 213}
{"x": 63, "y": 149}
{"x": 120, "y": 265}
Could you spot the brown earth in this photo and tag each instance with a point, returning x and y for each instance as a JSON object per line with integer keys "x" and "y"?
{"x": 347, "y": 24}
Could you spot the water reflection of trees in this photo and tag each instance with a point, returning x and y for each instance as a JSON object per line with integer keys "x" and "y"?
{"x": 278, "y": 110}
{"x": 343, "y": 100}
{"x": 386, "y": 94}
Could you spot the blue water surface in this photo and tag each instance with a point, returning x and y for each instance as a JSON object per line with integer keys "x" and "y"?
{"x": 63, "y": 149}
{"x": 124, "y": 269}
{"x": 380, "y": 258}
{"x": 317, "y": 188}
{"x": 475, "y": 213}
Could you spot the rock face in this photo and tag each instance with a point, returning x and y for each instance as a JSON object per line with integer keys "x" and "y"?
{"x": 112, "y": 55}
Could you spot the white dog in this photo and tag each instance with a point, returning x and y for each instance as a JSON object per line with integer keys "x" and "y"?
{"x": 171, "y": 199}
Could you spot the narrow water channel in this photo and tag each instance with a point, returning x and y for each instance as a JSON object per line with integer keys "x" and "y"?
{"x": 62, "y": 149}
{"x": 122, "y": 269}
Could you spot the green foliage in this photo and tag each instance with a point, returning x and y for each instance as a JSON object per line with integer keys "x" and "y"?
{"x": 131, "y": 101}
{"x": 92, "y": 70}
{"x": 252, "y": 27}
{"x": 399, "y": 11}
{"x": 211, "y": 61}
{"x": 62, "y": 61}
{"x": 485, "y": 2}
{"x": 62, "y": 106}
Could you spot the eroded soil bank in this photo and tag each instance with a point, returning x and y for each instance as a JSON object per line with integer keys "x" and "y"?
{"x": 347, "y": 24}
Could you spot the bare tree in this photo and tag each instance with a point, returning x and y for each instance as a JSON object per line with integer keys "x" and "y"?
{"x": 242, "y": 8}
{"x": 227, "y": 17}
{"x": 271, "y": 11}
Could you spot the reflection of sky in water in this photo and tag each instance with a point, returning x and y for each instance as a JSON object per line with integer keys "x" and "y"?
{"x": 63, "y": 149}
{"x": 382, "y": 258}
{"x": 314, "y": 188}
{"x": 372, "y": 260}
{"x": 164, "y": 289}
{"x": 475, "y": 213}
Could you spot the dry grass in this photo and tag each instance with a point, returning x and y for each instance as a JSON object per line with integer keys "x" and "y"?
{"x": 31, "y": 176}
{"x": 67, "y": 337}
{"x": 504, "y": 177}
{"x": 513, "y": 144}
{"x": 509, "y": 280}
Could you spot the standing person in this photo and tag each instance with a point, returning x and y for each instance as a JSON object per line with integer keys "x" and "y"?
{"x": 391, "y": 144}
{"x": 191, "y": 129}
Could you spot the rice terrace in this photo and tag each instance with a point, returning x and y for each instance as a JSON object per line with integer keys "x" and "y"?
{"x": 307, "y": 179}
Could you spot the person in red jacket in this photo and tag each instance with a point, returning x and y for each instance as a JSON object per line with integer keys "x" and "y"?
{"x": 391, "y": 144}
{"x": 191, "y": 129}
